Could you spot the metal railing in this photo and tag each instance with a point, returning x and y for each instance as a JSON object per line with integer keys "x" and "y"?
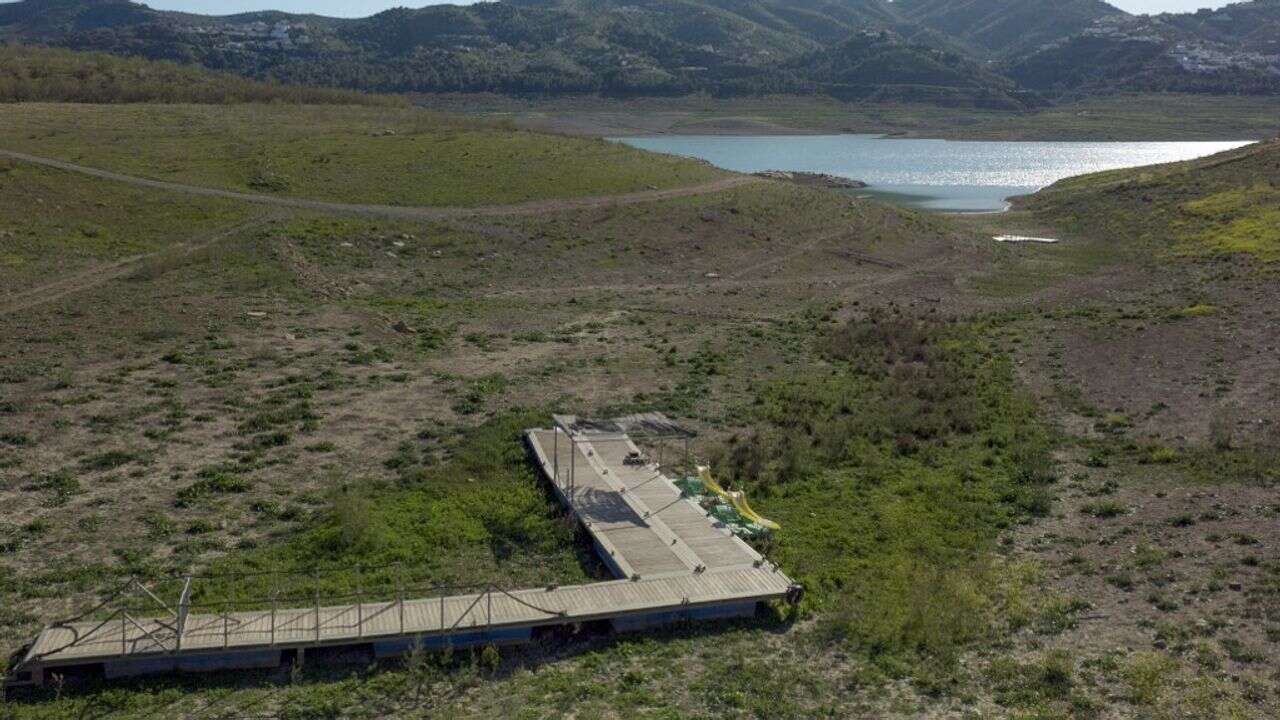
{"x": 136, "y": 620}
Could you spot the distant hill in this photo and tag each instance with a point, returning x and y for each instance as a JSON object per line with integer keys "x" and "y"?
{"x": 530, "y": 46}
{"x": 1247, "y": 26}
{"x": 58, "y": 75}
{"x": 1006, "y": 27}
{"x": 987, "y": 53}
{"x": 882, "y": 66}
{"x": 1207, "y": 52}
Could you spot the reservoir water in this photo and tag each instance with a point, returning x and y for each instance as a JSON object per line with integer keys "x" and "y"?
{"x": 950, "y": 175}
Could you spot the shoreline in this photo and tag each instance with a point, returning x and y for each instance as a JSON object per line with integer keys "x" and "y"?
{"x": 1126, "y": 117}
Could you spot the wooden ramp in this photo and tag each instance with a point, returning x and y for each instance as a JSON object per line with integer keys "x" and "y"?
{"x": 673, "y": 561}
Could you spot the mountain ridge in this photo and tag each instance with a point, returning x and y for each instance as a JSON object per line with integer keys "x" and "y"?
{"x": 984, "y": 53}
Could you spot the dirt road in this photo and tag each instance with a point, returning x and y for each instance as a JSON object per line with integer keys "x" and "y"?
{"x": 536, "y": 207}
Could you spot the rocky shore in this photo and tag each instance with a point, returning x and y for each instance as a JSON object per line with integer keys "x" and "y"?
{"x": 834, "y": 182}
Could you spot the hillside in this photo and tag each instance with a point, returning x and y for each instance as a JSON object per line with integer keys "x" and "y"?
{"x": 1234, "y": 50}
{"x": 29, "y": 73}
{"x": 883, "y": 67}
{"x": 983, "y": 53}
{"x": 1252, "y": 26}
{"x": 1227, "y": 204}
{"x": 659, "y": 47}
{"x": 1006, "y": 27}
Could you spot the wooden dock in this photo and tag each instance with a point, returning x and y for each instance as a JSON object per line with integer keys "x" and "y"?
{"x": 672, "y": 560}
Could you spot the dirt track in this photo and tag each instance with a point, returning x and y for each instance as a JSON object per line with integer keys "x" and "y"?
{"x": 96, "y": 275}
{"x": 410, "y": 213}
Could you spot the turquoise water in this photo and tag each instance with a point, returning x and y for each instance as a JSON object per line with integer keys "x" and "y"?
{"x": 949, "y": 175}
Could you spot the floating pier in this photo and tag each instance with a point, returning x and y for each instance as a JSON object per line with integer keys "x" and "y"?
{"x": 672, "y": 560}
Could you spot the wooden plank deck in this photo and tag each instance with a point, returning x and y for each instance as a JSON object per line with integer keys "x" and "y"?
{"x": 714, "y": 544}
{"x": 670, "y": 556}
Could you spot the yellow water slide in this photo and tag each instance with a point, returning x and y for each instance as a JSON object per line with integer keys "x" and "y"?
{"x": 709, "y": 483}
{"x": 739, "y": 502}
{"x": 736, "y": 499}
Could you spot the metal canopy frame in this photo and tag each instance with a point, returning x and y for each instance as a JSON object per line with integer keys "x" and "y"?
{"x": 625, "y": 430}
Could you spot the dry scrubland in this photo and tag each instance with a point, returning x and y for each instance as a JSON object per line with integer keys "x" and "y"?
{"x": 1017, "y": 481}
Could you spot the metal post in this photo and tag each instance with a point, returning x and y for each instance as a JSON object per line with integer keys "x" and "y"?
{"x": 488, "y": 610}
{"x": 317, "y": 615}
{"x": 124, "y": 633}
{"x": 555, "y": 456}
{"x": 442, "y": 613}
{"x": 274, "y": 600}
{"x": 184, "y": 609}
{"x": 226, "y": 617}
{"x": 359, "y": 603}
{"x": 400, "y": 593}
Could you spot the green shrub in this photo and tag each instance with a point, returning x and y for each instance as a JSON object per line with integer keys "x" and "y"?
{"x": 1160, "y": 455}
{"x": 1121, "y": 581}
{"x": 109, "y": 460}
{"x": 299, "y": 414}
{"x": 215, "y": 482}
{"x": 1148, "y": 675}
{"x": 357, "y": 525}
{"x": 61, "y": 485}
{"x": 159, "y": 526}
{"x": 1104, "y": 508}
{"x": 201, "y": 527}
{"x": 1055, "y": 674}
{"x": 16, "y": 439}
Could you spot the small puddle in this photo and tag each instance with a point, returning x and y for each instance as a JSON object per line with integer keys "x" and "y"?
{"x": 1023, "y": 239}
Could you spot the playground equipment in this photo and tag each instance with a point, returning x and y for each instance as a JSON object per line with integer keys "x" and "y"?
{"x": 728, "y": 506}
{"x": 708, "y": 482}
{"x": 739, "y": 502}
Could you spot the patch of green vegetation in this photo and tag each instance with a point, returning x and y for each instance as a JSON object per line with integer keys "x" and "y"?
{"x": 111, "y": 459}
{"x": 1149, "y": 675}
{"x": 213, "y": 481}
{"x": 15, "y": 439}
{"x": 62, "y": 485}
{"x": 477, "y": 391}
{"x": 1258, "y": 466}
{"x": 1194, "y": 311}
{"x": 893, "y": 470}
{"x": 341, "y": 153}
{"x": 43, "y": 213}
{"x": 480, "y": 517}
{"x": 1160, "y": 455}
{"x": 291, "y": 410}
{"x": 1255, "y": 232}
{"x": 1039, "y": 684}
{"x": 1224, "y": 204}
{"x": 1104, "y": 508}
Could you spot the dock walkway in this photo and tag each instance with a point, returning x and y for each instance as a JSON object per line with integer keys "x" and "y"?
{"x": 672, "y": 560}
